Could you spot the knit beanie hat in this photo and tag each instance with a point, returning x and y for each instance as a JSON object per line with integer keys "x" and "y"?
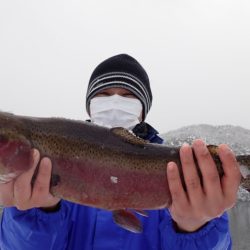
{"x": 121, "y": 71}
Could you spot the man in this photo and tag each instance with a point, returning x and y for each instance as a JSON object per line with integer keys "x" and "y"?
{"x": 119, "y": 94}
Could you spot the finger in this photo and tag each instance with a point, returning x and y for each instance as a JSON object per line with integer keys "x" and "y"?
{"x": 22, "y": 185}
{"x": 178, "y": 194}
{"x": 232, "y": 176}
{"x": 42, "y": 182}
{"x": 210, "y": 175}
{"x": 7, "y": 194}
{"x": 191, "y": 177}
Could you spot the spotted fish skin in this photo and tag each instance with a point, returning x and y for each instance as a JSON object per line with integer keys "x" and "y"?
{"x": 92, "y": 165}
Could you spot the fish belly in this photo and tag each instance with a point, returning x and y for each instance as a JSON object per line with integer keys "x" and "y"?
{"x": 109, "y": 186}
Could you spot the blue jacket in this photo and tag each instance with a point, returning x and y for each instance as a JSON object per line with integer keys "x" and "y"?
{"x": 77, "y": 227}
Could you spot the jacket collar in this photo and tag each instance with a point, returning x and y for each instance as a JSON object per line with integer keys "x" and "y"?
{"x": 147, "y": 132}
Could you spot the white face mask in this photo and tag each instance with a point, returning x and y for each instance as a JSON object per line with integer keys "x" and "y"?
{"x": 115, "y": 111}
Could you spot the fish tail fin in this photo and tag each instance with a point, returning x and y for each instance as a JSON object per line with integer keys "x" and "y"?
{"x": 244, "y": 162}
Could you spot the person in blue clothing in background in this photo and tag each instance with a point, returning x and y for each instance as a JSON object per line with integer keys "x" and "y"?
{"x": 119, "y": 94}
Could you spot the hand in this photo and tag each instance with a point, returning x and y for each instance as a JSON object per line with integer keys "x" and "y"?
{"x": 199, "y": 204}
{"x": 20, "y": 193}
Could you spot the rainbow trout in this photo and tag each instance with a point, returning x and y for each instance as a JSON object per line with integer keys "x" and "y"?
{"x": 95, "y": 166}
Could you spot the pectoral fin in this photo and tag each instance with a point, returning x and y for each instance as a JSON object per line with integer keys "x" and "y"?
{"x": 141, "y": 212}
{"x": 127, "y": 220}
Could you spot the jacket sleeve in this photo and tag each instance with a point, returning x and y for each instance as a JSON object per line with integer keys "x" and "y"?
{"x": 215, "y": 235}
{"x": 34, "y": 229}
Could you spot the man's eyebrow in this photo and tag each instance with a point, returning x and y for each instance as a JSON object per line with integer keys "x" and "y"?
{"x": 128, "y": 94}
{"x": 104, "y": 92}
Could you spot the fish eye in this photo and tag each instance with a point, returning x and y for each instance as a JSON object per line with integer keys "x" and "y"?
{"x": 3, "y": 139}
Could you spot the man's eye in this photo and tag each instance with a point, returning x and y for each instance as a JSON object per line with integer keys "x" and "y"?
{"x": 129, "y": 95}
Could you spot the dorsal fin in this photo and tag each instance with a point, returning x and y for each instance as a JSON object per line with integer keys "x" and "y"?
{"x": 128, "y": 136}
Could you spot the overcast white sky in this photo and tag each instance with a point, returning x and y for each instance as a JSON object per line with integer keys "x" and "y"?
{"x": 196, "y": 53}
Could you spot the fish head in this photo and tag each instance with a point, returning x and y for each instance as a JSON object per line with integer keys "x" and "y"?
{"x": 15, "y": 148}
